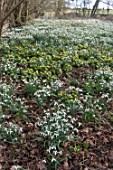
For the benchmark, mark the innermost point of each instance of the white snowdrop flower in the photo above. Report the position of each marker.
(69, 117)
(49, 150)
(54, 114)
(81, 107)
(53, 147)
(105, 95)
(109, 99)
(100, 108)
(20, 129)
(60, 152)
(44, 161)
(53, 160)
(65, 120)
(61, 105)
(72, 133)
(55, 103)
(10, 131)
(16, 167)
(87, 110)
(3, 116)
(71, 88)
(72, 121)
(56, 134)
(48, 114)
(52, 137)
(71, 126)
(44, 118)
(79, 124)
(48, 132)
(55, 152)
(75, 129)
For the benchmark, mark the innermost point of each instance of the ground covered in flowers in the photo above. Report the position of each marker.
(56, 96)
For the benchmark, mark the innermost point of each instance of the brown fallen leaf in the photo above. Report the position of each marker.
(41, 165)
(12, 168)
(99, 133)
(86, 168)
(0, 166)
(23, 135)
(66, 165)
(90, 142)
(66, 144)
(85, 130)
(105, 140)
(111, 156)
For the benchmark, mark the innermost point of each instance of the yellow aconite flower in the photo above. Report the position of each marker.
(30, 70)
(32, 59)
(48, 66)
(71, 97)
(110, 59)
(10, 55)
(53, 77)
(17, 47)
(19, 58)
(59, 94)
(36, 72)
(103, 56)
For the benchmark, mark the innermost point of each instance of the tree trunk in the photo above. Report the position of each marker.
(59, 7)
(5, 12)
(1, 26)
(95, 8)
(0, 30)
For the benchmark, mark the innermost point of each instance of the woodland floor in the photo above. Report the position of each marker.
(82, 60)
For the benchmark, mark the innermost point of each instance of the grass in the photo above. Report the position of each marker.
(99, 11)
(79, 13)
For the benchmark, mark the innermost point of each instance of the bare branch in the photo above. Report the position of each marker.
(12, 9)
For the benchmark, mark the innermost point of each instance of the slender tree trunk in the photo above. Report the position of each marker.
(95, 8)
(76, 6)
(59, 7)
(1, 26)
(84, 8)
(0, 18)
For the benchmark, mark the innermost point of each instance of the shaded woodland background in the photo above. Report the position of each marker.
(15, 13)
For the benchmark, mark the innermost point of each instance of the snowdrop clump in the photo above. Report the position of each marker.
(10, 132)
(56, 128)
(88, 29)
